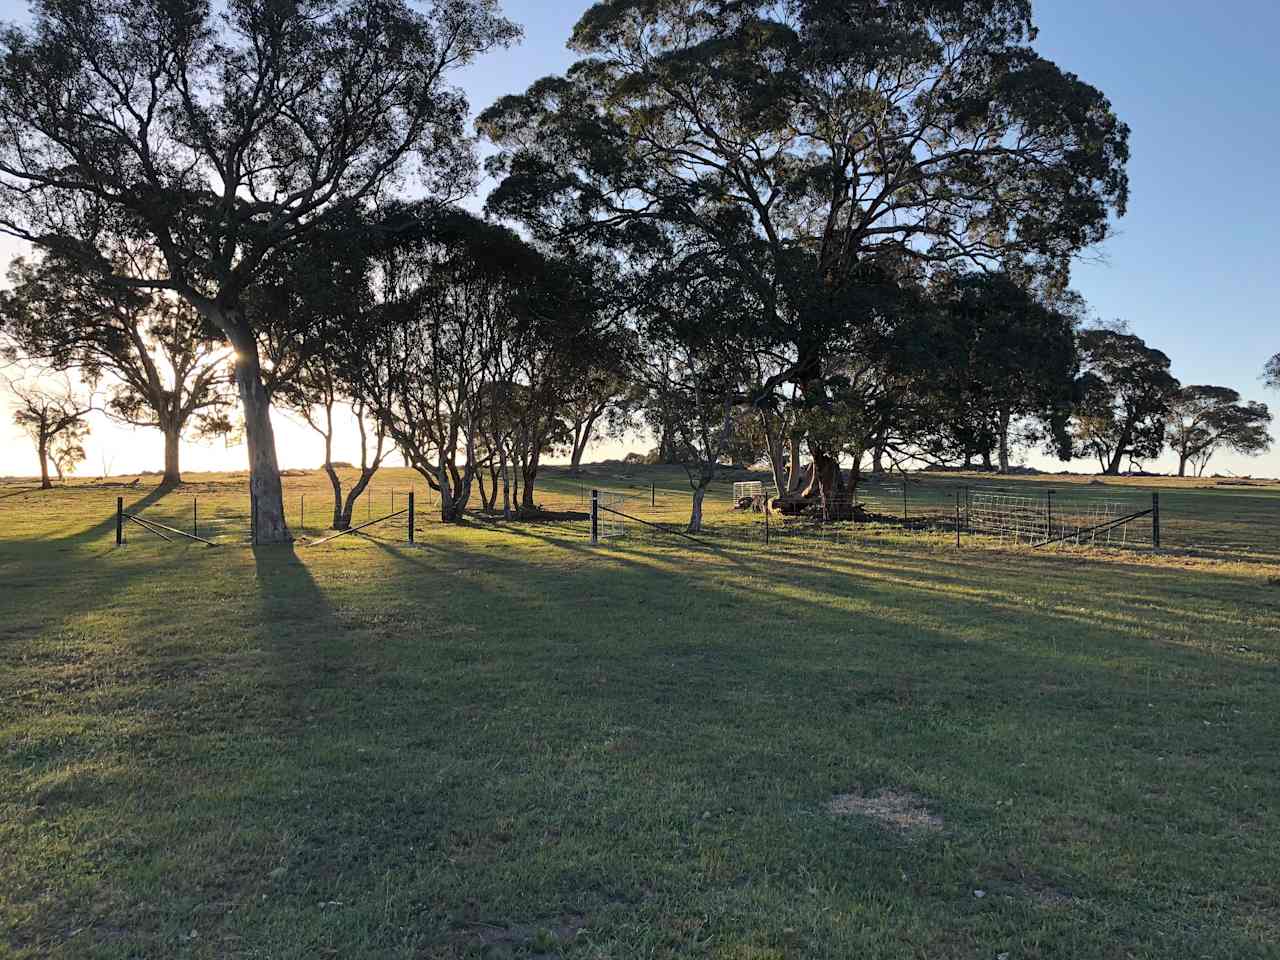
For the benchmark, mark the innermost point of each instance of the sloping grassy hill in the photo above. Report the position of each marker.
(506, 742)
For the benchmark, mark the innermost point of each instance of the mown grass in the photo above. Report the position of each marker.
(503, 741)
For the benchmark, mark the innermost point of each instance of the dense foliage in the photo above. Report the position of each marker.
(828, 236)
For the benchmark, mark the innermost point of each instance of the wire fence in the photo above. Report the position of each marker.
(225, 518)
(742, 511)
(747, 512)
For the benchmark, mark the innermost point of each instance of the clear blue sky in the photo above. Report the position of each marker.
(1194, 267)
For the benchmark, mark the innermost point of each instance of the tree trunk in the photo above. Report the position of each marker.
(353, 496)
(695, 513)
(1182, 465)
(455, 495)
(1122, 449)
(794, 472)
(777, 453)
(341, 518)
(172, 472)
(530, 471)
(448, 512)
(264, 468)
(1005, 417)
(581, 439)
(506, 487)
(42, 450)
(877, 459)
(826, 481)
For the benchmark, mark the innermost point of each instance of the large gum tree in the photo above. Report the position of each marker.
(224, 134)
(838, 134)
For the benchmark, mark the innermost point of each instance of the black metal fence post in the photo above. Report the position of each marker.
(904, 498)
(957, 518)
(1155, 520)
(119, 521)
(411, 516)
(766, 522)
(653, 495)
(195, 516)
(595, 516)
(253, 519)
(1049, 501)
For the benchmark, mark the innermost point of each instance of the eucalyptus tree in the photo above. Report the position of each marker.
(1003, 355)
(601, 404)
(53, 413)
(221, 134)
(808, 139)
(425, 358)
(321, 288)
(1125, 401)
(690, 319)
(1206, 419)
(168, 368)
(316, 393)
(555, 352)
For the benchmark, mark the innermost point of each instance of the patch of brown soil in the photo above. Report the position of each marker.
(898, 810)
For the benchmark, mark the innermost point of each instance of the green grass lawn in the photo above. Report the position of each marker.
(504, 742)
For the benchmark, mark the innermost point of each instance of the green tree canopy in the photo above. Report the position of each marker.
(1206, 419)
(1000, 354)
(1126, 394)
(806, 140)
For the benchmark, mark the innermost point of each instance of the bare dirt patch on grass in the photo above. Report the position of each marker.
(895, 809)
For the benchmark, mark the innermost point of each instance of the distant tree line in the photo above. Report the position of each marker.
(831, 236)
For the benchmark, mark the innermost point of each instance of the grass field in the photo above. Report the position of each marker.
(505, 742)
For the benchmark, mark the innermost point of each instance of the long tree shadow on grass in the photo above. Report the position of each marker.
(734, 715)
(107, 525)
(390, 752)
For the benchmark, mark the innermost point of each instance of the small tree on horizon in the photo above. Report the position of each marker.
(52, 412)
(1206, 419)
